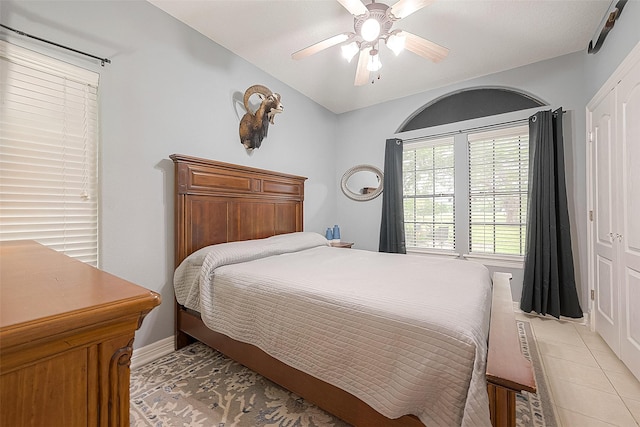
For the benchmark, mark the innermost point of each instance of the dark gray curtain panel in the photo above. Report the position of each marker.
(549, 285)
(392, 226)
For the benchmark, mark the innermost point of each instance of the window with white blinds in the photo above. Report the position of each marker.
(498, 182)
(48, 152)
(429, 194)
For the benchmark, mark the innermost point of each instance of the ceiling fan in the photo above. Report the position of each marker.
(373, 24)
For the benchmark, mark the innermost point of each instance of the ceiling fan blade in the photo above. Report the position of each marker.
(355, 7)
(424, 48)
(404, 8)
(362, 73)
(324, 44)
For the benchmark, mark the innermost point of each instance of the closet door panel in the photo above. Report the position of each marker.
(603, 151)
(604, 187)
(628, 122)
(630, 337)
(630, 145)
(632, 284)
(606, 302)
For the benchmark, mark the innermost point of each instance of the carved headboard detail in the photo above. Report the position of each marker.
(220, 202)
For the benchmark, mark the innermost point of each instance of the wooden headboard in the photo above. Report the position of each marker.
(219, 202)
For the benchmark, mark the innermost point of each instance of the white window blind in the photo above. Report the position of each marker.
(429, 194)
(48, 152)
(498, 182)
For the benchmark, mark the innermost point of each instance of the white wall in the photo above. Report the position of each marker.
(170, 90)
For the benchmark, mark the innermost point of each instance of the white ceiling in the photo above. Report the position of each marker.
(483, 36)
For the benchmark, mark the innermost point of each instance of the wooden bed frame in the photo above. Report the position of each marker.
(219, 202)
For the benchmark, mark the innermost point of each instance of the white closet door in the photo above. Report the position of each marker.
(604, 181)
(628, 108)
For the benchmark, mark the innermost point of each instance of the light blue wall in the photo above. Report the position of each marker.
(170, 90)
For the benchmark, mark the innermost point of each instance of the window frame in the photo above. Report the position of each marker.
(459, 131)
(433, 143)
(500, 140)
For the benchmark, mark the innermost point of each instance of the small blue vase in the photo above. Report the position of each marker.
(329, 234)
(336, 232)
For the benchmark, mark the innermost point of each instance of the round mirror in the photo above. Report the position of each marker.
(363, 182)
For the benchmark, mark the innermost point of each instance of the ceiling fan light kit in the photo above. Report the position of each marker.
(374, 63)
(350, 50)
(372, 23)
(370, 30)
(396, 42)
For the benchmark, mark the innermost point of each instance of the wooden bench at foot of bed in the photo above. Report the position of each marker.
(508, 371)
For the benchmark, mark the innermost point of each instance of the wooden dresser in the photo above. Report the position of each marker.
(66, 336)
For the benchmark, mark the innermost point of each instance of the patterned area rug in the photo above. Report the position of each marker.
(197, 386)
(533, 409)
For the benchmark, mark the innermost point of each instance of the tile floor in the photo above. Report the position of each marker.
(589, 385)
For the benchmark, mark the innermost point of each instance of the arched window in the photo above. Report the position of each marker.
(490, 222)
(469, 104)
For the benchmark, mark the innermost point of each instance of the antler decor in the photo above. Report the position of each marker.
(254, 126)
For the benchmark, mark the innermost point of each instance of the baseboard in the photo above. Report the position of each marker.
(149, 353)
(583, 321)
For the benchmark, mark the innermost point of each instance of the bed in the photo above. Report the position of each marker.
(219, 204)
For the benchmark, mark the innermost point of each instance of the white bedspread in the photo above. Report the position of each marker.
(405, 334)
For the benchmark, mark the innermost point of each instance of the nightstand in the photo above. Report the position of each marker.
(341, 244)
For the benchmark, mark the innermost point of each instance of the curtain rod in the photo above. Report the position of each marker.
(22, 33)
(456, 132)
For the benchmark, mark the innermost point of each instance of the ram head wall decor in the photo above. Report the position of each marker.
(254, 126)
